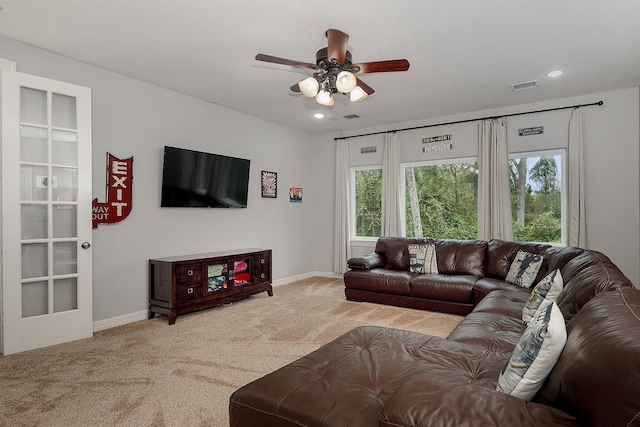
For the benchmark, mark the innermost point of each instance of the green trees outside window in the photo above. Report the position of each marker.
(441, 199)
(368, 201)
(536, 198)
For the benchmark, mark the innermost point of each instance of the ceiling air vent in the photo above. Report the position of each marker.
(351, 116)
(524, 86)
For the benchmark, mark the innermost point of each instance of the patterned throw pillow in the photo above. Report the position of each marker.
(535, 355)
(422, 259)
(524, 269)
(545, 292)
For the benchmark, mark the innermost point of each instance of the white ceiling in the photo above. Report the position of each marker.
(464, 54)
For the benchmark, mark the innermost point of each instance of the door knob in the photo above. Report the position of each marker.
(85, 245)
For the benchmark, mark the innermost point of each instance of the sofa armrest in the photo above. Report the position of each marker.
(428, 401)
(367, 262)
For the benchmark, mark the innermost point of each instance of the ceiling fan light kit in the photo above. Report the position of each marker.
(334, 71)
(324, 98)
(346, 82)
(357, 94)
(309, 87)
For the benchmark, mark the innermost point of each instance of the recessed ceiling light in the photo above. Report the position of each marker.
(555, 73)
(318, 116)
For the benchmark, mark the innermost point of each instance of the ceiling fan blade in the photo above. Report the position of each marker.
(337, 42)
(295, 88)
(365, 86)
(383, 66)
(283, 61)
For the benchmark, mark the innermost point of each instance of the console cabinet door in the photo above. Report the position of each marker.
(262, 269)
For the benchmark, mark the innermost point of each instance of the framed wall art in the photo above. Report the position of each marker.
(295, 194)
(269, 183)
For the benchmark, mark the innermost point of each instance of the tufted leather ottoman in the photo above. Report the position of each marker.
(348, 381)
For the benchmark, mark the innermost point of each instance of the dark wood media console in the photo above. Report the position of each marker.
(183, 284)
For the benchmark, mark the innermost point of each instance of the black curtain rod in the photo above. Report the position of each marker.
(470, 120)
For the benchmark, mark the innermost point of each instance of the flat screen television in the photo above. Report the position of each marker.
(204, 180)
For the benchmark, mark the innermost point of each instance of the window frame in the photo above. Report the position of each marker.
(564, 221)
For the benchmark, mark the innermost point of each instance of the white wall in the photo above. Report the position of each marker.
(133, 118)
(611, 138)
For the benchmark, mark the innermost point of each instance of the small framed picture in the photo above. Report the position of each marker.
(269, 184)
(295, 194)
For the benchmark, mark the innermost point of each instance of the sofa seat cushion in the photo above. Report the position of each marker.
(489, 331)
(506, 299)
(495, 324)
(380, 280)
(443, 287)
(345, 382)
(429, 399)
(486, 285)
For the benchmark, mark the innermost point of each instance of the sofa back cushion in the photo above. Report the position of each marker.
(597, 377)
(584, 277)
(395, 250)
(559, 256)
(461, 256)
(501, 253)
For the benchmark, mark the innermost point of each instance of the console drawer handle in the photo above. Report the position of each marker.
(262, 261)
(189, 272)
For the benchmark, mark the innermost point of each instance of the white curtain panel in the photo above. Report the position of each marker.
(577, 216)
(390, 185)
(494, 193)
(342, 250)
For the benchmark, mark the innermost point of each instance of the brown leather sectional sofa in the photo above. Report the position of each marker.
(375, 376)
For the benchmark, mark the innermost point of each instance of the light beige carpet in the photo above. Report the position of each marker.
(151, 374)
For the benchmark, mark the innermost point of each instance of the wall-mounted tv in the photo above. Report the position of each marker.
(204, 180)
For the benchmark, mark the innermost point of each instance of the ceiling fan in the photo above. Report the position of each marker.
(334, 71)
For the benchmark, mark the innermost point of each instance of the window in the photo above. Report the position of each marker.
(367, 188)
(441, 199)
(537, 196)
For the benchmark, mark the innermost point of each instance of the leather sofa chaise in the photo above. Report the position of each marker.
(374, 376)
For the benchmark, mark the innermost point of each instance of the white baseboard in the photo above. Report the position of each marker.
(101, 325)
(304, 276)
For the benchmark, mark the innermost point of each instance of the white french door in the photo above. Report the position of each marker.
(46, 212)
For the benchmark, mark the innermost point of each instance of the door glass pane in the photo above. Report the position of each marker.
(34, 222)
(35, 299)
(64, 221)
(33, 106)
(65, 294)
(34, 260)
(64, 258)
(33, 183)
(65, 148)
(33, 144)
(65, 185)
(63, 111)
